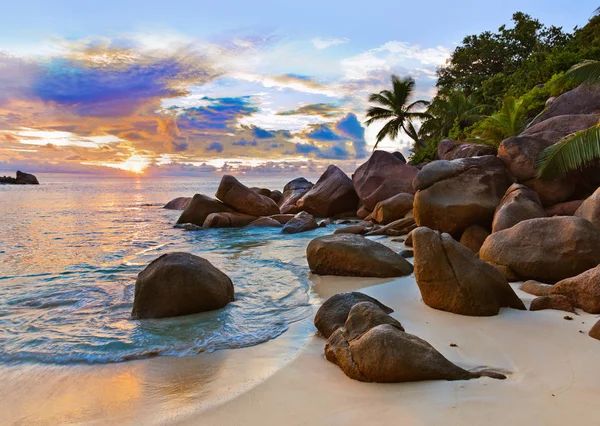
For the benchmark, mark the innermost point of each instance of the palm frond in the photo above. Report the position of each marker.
(572, 153)
(378, 113)
(381, 100)
(417, 104)
(586, 72)
(390, 129)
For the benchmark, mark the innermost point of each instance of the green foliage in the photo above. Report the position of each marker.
(450, 113)
(572, 153)
(394, 106)
(425, 154)
(585, 72)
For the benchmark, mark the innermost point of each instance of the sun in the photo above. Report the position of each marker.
(136, 164)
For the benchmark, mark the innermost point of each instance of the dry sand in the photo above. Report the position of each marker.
(551, 365)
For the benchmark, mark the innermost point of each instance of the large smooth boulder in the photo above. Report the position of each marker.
(451, 150)
(583, 290)
(393, 208)
(243, 199)
(519, 153)
(556, 128)
(381, 177)
(333, 313)
(556, 302)
(564, 209)
(453, 195)
(590, 209)
(373, 347)
(552, 192)
(518, 204)
(200, 207)
(451, 278)
(302, 222)
(26, 179)
(545, 249)
(585, 99)
(179, 203)
(292, 192)
(354, 256)
(265, 222)
(178, 284)
(333, 194)
(228, 220)
(473, 237)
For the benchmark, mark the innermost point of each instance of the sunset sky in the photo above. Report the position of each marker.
(190, 87)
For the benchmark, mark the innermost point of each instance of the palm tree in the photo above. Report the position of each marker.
(581, 148)
(585, 72)
(448, 110)
(394, 106)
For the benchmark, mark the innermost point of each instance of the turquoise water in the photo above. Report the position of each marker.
(70, 251)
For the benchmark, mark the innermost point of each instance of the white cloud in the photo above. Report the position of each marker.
(394, 54)
(324, 43)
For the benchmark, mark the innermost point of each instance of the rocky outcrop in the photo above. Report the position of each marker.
(179, 203)
(552, 192)
(584, 99)
(451, 150)
(536, 288)
(545, 249)
(21, 179)
(292, 192)
(275, 195)
(373, 347)
(228, 220)
(381, 177)
(178, 284)
(333, 313)
(282, 218)
(332, 194)
(243, 199)
(556, 302)
(302, 222)
(518, 204)
(353, 229)
(583, 290)
(265, 222)
(453, 195)
(564, 209)
(473, 237)
(354, 256)
(519, 154)
(200, 207)
(393, 208)
(556, 128)
(451, 278)
(590, 209)
(595, 331)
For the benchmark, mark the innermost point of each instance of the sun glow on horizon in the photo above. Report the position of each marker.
(135, 164)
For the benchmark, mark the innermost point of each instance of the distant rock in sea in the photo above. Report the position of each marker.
(21, 179)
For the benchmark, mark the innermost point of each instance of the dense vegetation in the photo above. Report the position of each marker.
(495, 83)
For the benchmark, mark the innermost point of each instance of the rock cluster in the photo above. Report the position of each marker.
(371, 346)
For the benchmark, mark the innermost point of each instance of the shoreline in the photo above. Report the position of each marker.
(548, 361)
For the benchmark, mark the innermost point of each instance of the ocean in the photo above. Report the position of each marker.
(71, 249)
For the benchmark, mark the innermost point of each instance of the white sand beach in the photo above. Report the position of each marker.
(550, 363)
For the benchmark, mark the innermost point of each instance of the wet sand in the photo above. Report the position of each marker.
(551, 365)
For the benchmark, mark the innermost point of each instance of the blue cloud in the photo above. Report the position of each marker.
(110, 90)
(259, 133)
(244, 142)
(307, 149)
(215, 146)
(323, 133)
(219, 115)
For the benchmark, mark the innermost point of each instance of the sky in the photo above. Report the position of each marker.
(192, 87)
